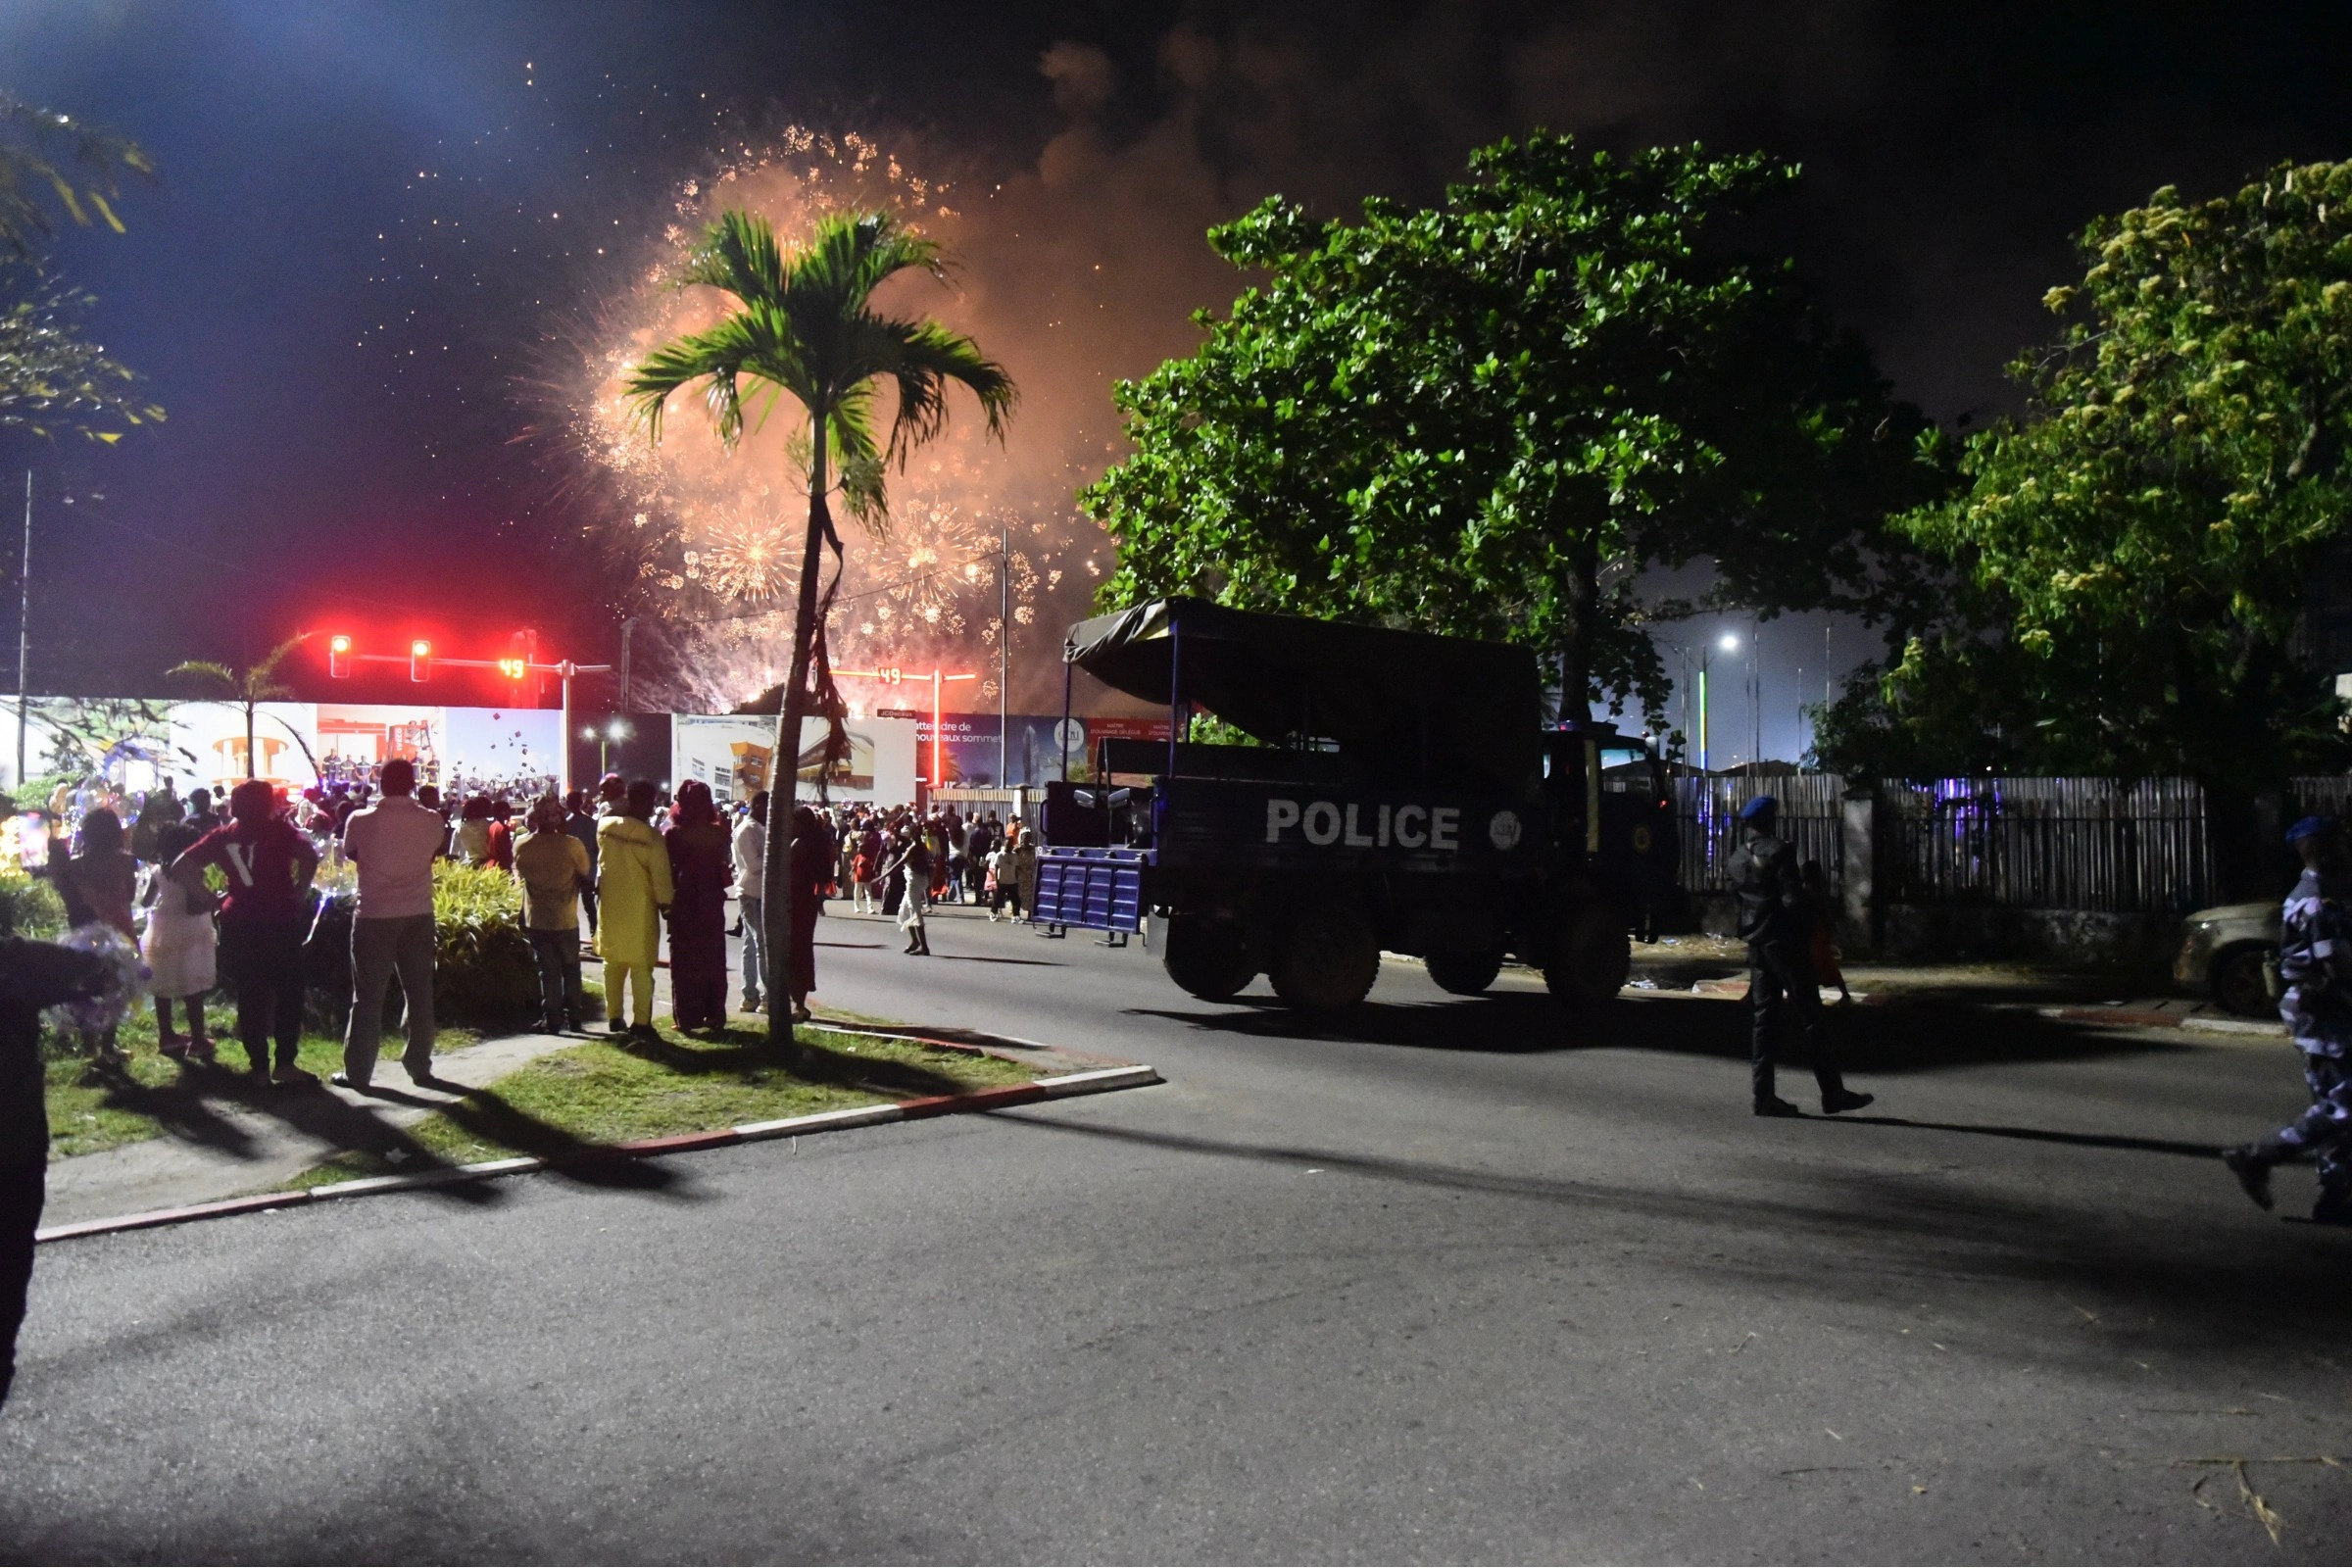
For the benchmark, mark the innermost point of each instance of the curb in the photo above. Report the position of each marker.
(1066, 1086)
(2117, 1017)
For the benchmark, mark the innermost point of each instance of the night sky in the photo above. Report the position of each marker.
(378, 227)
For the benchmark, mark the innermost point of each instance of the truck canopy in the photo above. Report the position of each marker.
(1400, 702)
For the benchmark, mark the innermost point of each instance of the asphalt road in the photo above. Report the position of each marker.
(1459, 1280)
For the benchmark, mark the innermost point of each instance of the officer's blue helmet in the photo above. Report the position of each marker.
(1760, 806)
(2310, 827)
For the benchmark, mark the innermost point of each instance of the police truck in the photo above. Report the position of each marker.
(1365, 789)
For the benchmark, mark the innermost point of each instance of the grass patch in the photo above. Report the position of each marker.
(94, 1108)
(606, 1092)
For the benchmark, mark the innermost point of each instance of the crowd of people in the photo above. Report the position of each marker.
(628, 862)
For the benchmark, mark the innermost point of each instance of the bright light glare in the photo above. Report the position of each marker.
(1729, 642)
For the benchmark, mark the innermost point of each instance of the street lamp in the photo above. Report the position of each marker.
(1728, 643)
(616, 730)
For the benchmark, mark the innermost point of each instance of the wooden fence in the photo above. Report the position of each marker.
(1811, 817)
(2089, 844)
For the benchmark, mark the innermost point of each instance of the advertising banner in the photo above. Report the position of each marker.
(1032, 746)
(734, 753)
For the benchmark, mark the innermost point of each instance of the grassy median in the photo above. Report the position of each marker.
(602, 1092)
(94, 1108)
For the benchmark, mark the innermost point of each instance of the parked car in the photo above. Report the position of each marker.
(2223, 953)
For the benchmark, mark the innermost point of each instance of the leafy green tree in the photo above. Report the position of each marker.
(244, 689)
(1489, 417)
(803, 326)
(44, 155)
(2137, 550)
(52, 377)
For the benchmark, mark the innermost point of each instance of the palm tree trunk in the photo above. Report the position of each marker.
(252, 768)
(778, 880)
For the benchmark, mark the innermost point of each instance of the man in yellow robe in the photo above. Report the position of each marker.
(632, 889)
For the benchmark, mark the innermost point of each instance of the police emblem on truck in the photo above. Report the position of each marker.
(1366, 827)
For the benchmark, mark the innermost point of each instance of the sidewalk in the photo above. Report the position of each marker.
(241, 1139)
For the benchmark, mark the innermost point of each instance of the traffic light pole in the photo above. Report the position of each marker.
(420, 660)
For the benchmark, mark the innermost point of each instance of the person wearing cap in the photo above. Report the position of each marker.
(2315, 960)
(1775, 920)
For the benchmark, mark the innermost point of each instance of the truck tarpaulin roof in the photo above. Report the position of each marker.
(1400, 700)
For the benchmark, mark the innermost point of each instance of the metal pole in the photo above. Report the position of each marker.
(1175, 683)
(565, 670)
(939, 722)
(1004, 657)
(628, 626)
(1702, 713)
(24, 632)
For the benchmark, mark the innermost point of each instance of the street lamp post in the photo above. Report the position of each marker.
(1727, 642)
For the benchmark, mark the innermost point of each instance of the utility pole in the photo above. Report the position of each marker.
(1004, 658)
(626, 626)
(24, 632)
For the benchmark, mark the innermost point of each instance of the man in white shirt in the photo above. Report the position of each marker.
(751, 864)
(393, 843)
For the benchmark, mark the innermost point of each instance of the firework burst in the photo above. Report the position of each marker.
(711, 537)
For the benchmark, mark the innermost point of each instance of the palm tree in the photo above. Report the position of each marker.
(804, 327)
(246, 688)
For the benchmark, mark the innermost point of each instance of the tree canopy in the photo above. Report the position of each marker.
(2138, 549)
(1488, 416)
(52, 377)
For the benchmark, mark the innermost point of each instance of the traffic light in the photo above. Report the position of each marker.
(338, 657)
(514, 668)
(420, 660)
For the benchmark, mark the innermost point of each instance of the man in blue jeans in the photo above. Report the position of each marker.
(393, 843)
(751, 864)
(553, 869)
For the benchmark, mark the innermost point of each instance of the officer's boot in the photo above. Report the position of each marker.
(2335, 1203)
(2252, 1168)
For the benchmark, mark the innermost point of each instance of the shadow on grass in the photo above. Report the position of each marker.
(1865, 1040)
(747, 1054)
(489, 1116)
(179, 1107)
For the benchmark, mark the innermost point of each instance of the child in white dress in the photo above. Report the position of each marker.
(180, 945)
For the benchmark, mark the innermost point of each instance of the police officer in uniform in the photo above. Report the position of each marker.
(2315, 960)
(1774, 921)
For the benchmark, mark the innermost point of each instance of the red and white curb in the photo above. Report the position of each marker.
(1099, 1081)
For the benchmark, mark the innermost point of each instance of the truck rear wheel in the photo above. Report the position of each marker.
(1592, 961)
(1465, 974)
(1206, 958)
(1325, 960)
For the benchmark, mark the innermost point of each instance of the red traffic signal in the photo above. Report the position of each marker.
(338, 657)
(514, 668)
(420, 660)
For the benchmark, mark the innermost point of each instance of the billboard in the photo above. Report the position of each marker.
(734, 753)
(1031, 746)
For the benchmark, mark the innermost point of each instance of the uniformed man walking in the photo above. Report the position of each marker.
(1774, 921)
(2315, 960)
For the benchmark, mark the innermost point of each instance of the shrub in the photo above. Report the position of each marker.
(485, 975)
(28, 906)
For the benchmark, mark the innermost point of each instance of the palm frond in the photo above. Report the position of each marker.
(205, 670)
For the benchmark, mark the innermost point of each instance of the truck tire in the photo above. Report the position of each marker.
(1206, 958)
(1592, 961)
(1325, 960)
(1465, 974)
